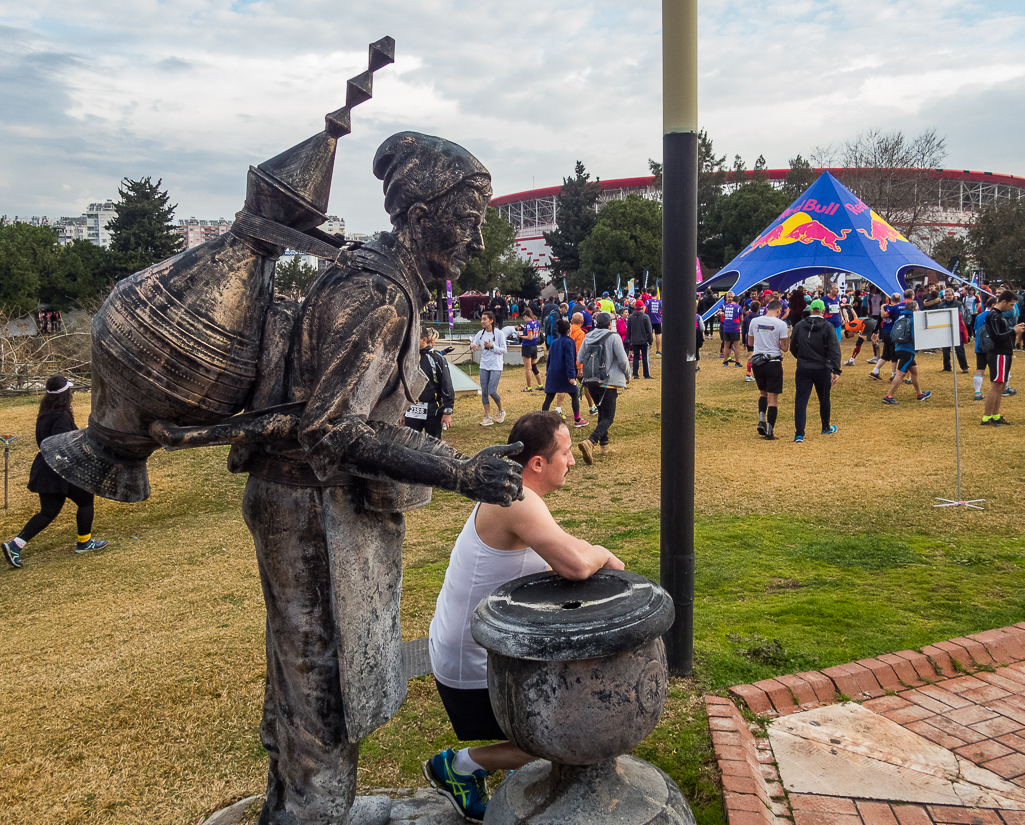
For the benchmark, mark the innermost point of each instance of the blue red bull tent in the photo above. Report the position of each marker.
(827, 229)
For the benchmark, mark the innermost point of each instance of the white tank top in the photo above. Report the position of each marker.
(474, 571)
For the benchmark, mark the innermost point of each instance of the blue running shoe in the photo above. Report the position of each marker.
(925, 395)
(12, 553)
(467, 792)
(888, 400)
(829, 430)
(798, 439)
(86, 546)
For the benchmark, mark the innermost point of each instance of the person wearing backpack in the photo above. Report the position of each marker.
(605, 372)
(432, 412)
(903, 337)
(981, 356)
(997, 340)
(817, 351)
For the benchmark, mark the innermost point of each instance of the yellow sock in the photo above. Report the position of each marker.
(85, 538)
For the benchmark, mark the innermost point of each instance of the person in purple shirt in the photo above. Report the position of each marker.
(654, 309)
(889, 314)
(732, 315)
(832, 313)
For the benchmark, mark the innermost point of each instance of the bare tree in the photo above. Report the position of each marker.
(27, 359)
(891, 173)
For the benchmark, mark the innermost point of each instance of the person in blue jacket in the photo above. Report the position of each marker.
(562, 371)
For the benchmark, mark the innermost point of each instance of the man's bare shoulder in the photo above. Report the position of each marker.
(500, 527)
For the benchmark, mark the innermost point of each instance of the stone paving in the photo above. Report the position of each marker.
(940, 725)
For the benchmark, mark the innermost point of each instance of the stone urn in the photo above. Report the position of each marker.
(577, 676)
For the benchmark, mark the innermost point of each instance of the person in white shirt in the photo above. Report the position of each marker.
(499, 544)
(769, 335)
(490, 343)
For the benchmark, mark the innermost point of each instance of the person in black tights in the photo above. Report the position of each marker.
(55, 416)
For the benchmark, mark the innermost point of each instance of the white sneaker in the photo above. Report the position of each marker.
(849, 362)
(487, 422)
(749, 378)
(500, 417)
(872, 360)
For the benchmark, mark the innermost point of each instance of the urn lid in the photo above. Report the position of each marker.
(548, 618)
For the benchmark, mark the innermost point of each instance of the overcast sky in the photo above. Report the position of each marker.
(194, 91)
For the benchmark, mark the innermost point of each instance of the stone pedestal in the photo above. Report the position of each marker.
(577, 676)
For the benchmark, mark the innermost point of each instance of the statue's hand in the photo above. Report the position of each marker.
(490, 478)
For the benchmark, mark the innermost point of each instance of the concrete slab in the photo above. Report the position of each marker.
(849, 751)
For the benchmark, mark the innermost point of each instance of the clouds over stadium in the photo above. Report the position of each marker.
(195, 91)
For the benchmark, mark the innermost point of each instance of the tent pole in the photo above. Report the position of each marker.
(679, 258)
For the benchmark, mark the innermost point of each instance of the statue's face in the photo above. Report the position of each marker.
(448, 231)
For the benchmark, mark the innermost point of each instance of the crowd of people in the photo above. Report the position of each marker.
(988, 316)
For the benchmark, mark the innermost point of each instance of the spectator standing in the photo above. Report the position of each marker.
(432, 413)
(561, 375)
(798, 304)
(640, 336)
(603, 345)
(817, 351)
(490, 343)
(499, 309)
(768, 337)
(832, 313)
(950, 302)
(55, 416)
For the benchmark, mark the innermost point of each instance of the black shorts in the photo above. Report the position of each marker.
(656, 328)
(529, 351)
(999, 367)
(981, 360)
(731, 336)
(905, 360)
(888, 351)
(769, 376)
(470, 713)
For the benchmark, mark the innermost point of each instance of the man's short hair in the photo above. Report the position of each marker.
(564, 306)
(774, 306)
(1007, 296)
(562, 326)
(536, 431)
(909, 293)
(912, 304)
(755, 306)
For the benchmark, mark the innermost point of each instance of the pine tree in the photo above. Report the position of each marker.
(576, 215)
(142, 233)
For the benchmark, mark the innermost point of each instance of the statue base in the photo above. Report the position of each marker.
(624, 791)
(421, 807)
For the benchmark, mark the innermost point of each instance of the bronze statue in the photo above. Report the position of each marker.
(198, 337)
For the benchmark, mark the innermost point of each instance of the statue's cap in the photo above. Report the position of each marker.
(419, 168)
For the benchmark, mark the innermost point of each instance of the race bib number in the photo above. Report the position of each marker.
(417, 410)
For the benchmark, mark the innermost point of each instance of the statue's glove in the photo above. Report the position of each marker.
(490, 478)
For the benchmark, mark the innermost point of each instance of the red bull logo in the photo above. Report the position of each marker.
(799, 228)
(881, 232)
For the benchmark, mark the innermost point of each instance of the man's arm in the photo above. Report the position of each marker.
(784, 341)
(528, 523)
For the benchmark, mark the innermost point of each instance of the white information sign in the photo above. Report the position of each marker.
(936, 328)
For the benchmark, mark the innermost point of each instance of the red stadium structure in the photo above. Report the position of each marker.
(959, 195)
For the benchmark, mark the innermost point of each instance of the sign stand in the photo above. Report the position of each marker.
(6, 441)
(940, 328)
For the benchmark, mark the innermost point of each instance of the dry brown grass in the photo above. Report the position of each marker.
(132, 677)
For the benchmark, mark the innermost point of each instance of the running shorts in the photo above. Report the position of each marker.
(470, 713)
(529, 351)
(905, 360)
(769, 376)
(999, 367)
(981, 360)
(657, 328)
(731, 336)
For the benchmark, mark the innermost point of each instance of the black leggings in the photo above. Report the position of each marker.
(50, 505)
(574, 397)
(804, 381)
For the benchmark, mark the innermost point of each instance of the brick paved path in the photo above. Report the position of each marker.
(966, 695)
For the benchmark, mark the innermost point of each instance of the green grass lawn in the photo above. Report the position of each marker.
(133, 676)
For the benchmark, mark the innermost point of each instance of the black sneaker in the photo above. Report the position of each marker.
(86, 546)
(761, 427)
(12, 553)
(1002, 422)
